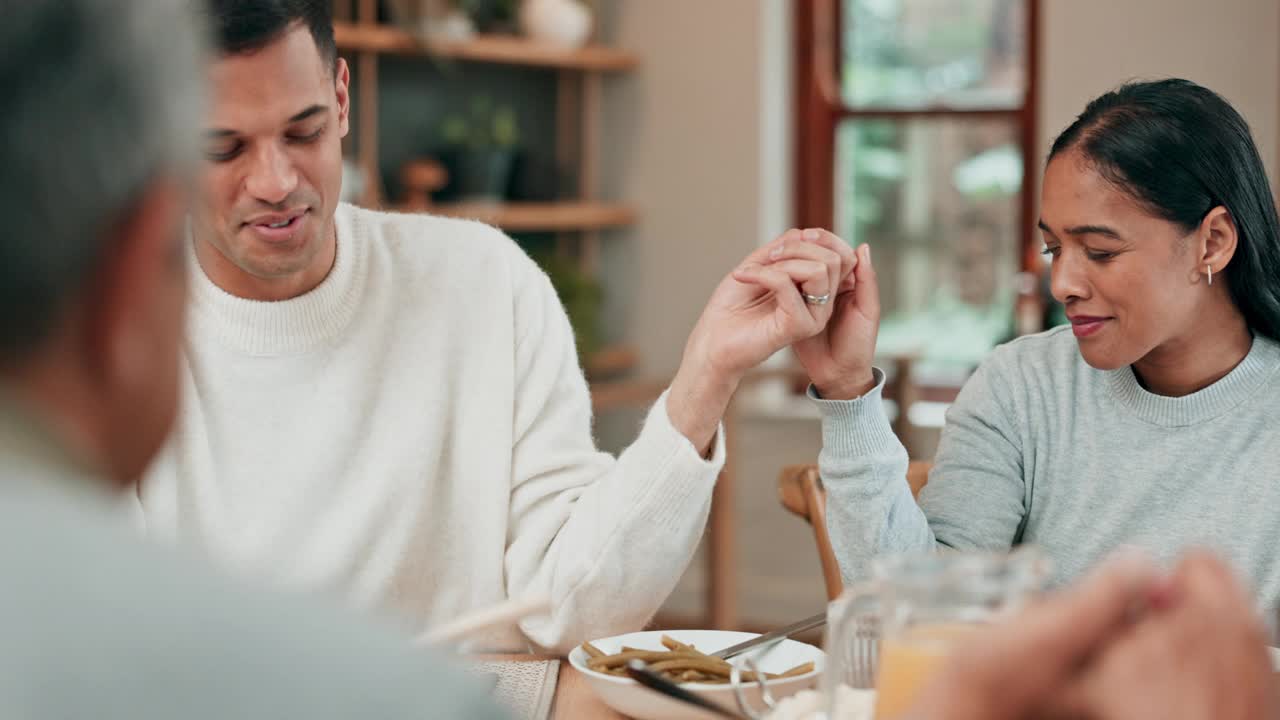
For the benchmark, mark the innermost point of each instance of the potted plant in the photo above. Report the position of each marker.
(490, 16)
(481, 146)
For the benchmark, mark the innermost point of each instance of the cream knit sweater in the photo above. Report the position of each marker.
(414, 434)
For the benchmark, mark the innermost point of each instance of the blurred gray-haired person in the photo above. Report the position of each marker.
(98, 133)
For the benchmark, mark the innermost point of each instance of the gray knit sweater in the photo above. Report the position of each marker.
(1042, 448)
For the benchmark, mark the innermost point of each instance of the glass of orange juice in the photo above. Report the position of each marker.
(893, 631)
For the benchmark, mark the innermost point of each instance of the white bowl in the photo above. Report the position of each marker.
(634, 700)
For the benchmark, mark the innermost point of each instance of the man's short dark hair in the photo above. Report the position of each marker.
(244, 26)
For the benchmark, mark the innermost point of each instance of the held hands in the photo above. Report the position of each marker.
(761, 306)
(1129, 642)
(788, 292)
(1200, 652)
(839, 357)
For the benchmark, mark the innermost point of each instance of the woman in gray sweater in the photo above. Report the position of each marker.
(1150, 420)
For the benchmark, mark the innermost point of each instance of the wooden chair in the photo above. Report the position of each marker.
(800, 491)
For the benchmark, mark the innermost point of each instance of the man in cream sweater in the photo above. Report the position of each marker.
(389, 407)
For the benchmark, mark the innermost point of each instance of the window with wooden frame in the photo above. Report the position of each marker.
(915, 133)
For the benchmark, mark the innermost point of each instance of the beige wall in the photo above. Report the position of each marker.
(1230, 46)
(699, 139)
(691, 143)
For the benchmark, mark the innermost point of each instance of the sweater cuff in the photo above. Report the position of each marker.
(688, 455)
(855, 427)
(681, 477)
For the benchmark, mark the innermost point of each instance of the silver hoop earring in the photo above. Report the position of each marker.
(1210, 269)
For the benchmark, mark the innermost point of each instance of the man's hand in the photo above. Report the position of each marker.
(757, 310)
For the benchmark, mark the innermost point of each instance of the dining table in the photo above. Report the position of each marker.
(574, 699)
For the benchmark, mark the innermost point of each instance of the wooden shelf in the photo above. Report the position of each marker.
(501, 49)
(541, 217)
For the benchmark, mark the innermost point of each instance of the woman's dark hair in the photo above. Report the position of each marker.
(243, 26)
(1181, 150)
